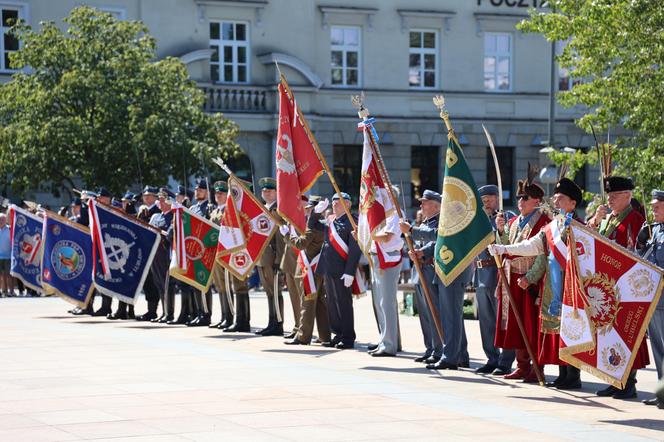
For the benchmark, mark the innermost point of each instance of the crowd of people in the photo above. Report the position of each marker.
(321, 270)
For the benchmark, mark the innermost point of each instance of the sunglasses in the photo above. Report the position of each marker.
(523, 197)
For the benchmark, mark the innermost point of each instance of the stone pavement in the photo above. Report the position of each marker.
(67, 378)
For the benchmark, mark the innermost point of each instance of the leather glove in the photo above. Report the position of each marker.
(284, 229)
(321, 206)
(347, 279)
(496, 249)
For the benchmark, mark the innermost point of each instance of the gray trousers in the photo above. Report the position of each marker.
(656, 333)
(487, 305)
(384, 294)
(451, 311)
(432, 342)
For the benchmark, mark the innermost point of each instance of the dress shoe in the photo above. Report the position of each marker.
(165, 319)
(173, 322)
(574, 384)
(115, 316)
(237, 328)
(608, 391)
(194, 322)
(316, 341)
(328, 344)
(519, 373)
(295, 341)
(203, 321)
(485, 369)
(651, 401)
(290, 335)
(501, 371)
(629, 392)
(146, 317)
(432, 359)
(158, 319)
(101, 312)
(75, 309)
(660, 405)
(382, 354)
(464, 364)
(344, 346)
(215, 325)
(224, 324)
(83, 311)
(442, 365)
(276, 330)
(422, 358)
(531, 378)
(372, 347)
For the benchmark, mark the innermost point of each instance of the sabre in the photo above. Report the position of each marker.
(601, 164)
(499, 178)
(276, 296)
(229, 297)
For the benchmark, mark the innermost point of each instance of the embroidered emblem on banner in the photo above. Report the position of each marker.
(459, 206)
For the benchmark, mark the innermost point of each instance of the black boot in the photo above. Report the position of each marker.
(163, 309)
(271, 314)
(242, 314)
(130, 312)
(196, 312)
(562, 375)
(226, 312)
(151, 313)
(573, 379)
(185, 309)
(120, 313)
(169, 308)
(629, 392)
(105, 309)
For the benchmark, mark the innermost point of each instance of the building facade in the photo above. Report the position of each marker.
(399, 52)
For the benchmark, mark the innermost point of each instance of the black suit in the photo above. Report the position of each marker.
(332, 266)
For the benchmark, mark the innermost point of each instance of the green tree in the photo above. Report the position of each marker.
(617, 48)
(91, 102)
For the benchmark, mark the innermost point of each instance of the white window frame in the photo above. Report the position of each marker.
(234, 44)
(344, 50)
(496, 54)
(571, 81)
(421, 51)
(23, 10)
(118, 13)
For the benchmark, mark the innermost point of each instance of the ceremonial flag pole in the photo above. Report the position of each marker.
(503, 278)
(363, 113)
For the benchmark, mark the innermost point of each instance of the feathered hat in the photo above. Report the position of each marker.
(528, 186)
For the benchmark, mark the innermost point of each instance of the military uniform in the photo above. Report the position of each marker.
(337, 260)
(268, 269)
(313, 305)
(202, 301)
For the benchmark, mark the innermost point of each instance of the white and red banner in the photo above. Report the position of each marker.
(308, 269)
(375, 204)
(298, 166)
(257, 226)
(610, 295)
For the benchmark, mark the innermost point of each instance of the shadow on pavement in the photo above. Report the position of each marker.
(233, 337)
(56, 317)
(415, 370)
(313, 351)
(652, 424)
(584, 401)
(147, 327)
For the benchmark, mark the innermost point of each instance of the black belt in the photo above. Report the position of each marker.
(483, 263)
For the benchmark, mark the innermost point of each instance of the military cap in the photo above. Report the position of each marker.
(220, 186)
(313, 200)
(202, 184)
(569, 188)
(76, 202)
(129, 196)
(102, 191)
(164, 192)
(343, 195)
(431, 196)
(617, 184)
(489, 189)
(657, 195)
(116, 203)
(182, 191)
(150, 190)
(267, 183)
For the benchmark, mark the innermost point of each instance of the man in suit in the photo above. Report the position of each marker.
(338, 263)
(269, 265)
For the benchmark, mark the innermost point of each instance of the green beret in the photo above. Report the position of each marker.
(220, 186)
(267, 183)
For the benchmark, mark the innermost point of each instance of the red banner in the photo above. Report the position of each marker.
(298, 166)
(610, 295)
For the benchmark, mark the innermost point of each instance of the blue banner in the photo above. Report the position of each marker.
(26, 235)
(129, 247)
(67, 260)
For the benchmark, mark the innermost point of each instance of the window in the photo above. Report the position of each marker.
(422, 60)
(497, 61)
(347, 160)
(10, 15)
(565, 80)
(345, 56)
(505, 157)
(424, 161)
(230, 59)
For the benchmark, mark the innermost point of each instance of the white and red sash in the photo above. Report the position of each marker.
(308, 269)
(387, 260)
(359, 287)
(98, 248)
(555, 242)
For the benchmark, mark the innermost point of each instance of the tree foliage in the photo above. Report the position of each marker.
(617, 48)
(91, 102)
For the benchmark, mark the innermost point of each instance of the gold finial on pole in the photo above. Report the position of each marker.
(358, 103)
(439, 102)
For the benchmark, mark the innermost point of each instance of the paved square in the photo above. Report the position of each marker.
(70, 378)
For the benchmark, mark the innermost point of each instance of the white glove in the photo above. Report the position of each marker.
(496, 249)
(321, 206)
(284, 229)
(293, 232)
(347, 279)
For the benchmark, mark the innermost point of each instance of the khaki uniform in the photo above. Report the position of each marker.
(267, 264)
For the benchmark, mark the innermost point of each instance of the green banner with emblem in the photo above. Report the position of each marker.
(464, 228)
